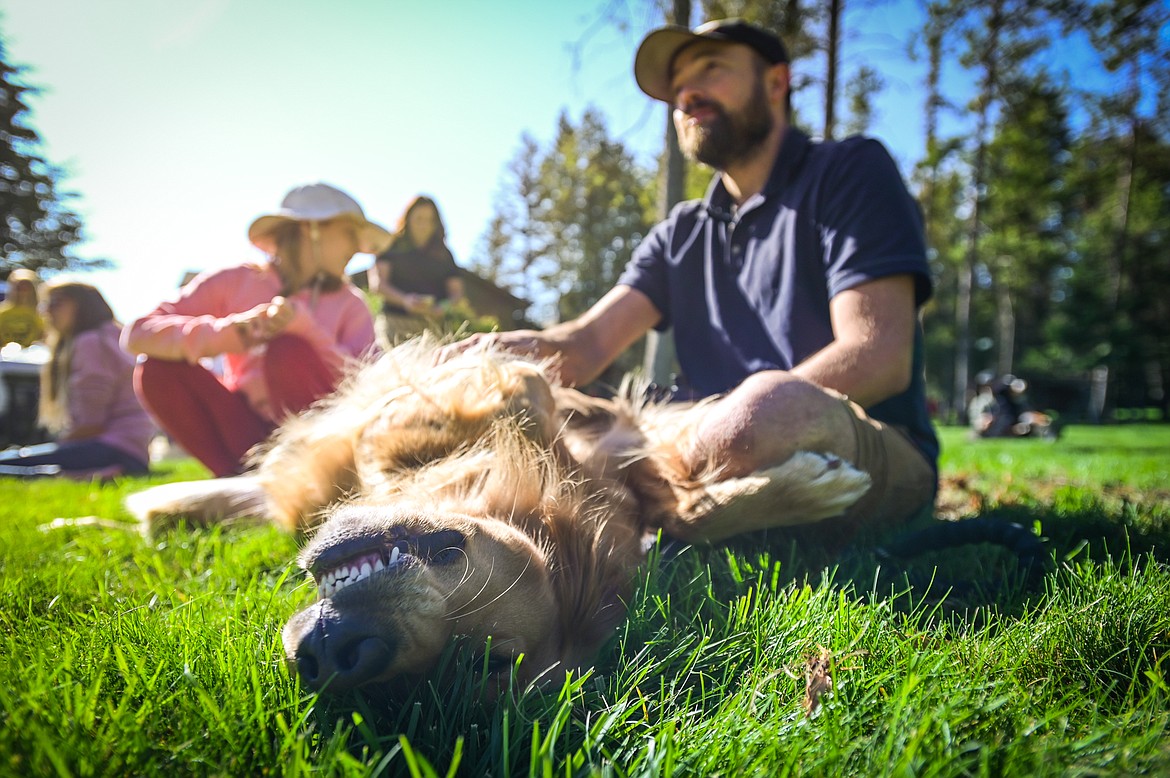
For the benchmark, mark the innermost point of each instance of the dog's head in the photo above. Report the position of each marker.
(397, 584)
(469, 516)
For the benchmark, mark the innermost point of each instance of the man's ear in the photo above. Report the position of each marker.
(778, 82)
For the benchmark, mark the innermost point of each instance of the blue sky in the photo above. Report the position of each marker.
(180, 122)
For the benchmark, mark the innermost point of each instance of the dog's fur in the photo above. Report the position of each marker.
(487, 502)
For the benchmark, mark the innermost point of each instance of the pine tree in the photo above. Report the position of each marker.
(38, 228)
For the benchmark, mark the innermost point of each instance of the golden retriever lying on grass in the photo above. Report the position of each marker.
(474, 498)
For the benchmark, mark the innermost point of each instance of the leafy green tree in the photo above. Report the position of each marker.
(860, 92)
(38, 229)
(568, 219)
(940, 186)
(1131, 126)
(597, 205)
(1121, 328)
(515, 240)
(999, 38)
(1024, 243)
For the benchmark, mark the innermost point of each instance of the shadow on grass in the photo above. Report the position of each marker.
(676, 643)
(965, 571)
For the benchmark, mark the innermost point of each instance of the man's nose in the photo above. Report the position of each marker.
(686, 97)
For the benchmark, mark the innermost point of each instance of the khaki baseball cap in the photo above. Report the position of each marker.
(659, 48)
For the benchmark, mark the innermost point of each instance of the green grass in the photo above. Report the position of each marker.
(123, 657)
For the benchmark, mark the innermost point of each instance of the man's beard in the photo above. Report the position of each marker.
(729, 138)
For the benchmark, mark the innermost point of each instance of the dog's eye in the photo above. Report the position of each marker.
(495, 663)
(446, 556)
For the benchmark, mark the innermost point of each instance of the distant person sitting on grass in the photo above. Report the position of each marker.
(416, 278)
(1001, 410)
(87, 395)
(20, 322)
(286, 329)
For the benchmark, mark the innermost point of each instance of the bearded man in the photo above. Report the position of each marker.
(793, 286)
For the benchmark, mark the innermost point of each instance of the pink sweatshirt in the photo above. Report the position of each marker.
(201, 323)
(101, 392)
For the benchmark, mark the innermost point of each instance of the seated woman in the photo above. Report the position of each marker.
(416, 277)
(87, 394)
(286, 329)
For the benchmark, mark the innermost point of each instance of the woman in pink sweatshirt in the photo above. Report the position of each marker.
(87, 394)
(285, 329)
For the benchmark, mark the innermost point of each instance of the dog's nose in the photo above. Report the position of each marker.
(334, 652)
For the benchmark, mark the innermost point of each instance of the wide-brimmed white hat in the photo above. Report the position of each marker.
(319, 202)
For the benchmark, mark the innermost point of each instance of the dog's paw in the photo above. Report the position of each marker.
(806, 488)
(199, 503)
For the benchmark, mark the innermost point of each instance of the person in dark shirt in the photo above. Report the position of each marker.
(416, 277)
(793, 286)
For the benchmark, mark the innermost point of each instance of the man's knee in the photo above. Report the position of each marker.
(767, 419)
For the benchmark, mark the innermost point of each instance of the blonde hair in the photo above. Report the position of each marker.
(91, 311)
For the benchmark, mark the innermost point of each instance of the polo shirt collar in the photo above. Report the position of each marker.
(717, 202)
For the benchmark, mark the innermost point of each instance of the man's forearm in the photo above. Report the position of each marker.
(866, 374)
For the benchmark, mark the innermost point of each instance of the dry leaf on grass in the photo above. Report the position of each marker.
(818, 679)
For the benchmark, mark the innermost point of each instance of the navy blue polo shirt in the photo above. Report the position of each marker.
(748, 289)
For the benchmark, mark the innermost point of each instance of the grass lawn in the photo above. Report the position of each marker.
(123, 657)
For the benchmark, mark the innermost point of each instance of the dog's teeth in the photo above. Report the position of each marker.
(394, 555)
(379, 564)
(366, 570)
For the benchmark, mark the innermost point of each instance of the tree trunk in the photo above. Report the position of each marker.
(836, 8)
(971, 258)
(659, 357)
(1005, 325)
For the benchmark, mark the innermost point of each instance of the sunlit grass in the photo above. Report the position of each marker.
(128, 657)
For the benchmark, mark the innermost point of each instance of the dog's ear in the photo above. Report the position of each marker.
(593, 562)
(580, 646)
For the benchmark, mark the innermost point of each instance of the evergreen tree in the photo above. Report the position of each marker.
(1130, 36)
(1000, 36)
(598, 204)
(567, 221)
(39, 228)
(515, 240)
(1025, 245)
(1121, 328)
(860, 92)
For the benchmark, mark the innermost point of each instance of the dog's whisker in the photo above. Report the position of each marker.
(468, 573)
(487, 580)
(519, 577)
(464, 578)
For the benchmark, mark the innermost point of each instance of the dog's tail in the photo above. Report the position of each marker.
(238, 500)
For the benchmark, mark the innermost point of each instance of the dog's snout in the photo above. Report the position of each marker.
(335, 653)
